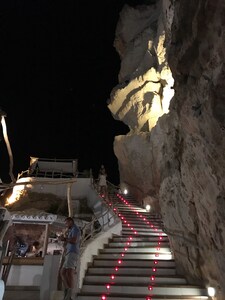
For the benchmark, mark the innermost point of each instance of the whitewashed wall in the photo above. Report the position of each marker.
(56, 186)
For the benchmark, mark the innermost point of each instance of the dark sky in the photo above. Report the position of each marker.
(58, 66)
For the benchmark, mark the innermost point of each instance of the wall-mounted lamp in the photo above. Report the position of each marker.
(211, 291)
(125, 191)
(147, 207)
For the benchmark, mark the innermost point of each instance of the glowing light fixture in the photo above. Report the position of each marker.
(125, 191)
(147, 207)
(211, 291)
(152, 278)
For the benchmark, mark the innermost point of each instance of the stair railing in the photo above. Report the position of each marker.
(7, 266)
(94, 227)
(91, 229)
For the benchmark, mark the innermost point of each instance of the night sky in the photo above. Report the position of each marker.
(58, 66)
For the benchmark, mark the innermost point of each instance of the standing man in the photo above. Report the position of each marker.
(71, 257)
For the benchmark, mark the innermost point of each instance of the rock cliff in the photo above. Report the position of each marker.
(171, 96)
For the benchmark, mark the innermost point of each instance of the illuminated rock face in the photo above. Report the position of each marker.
(174, 155)
(144, 91)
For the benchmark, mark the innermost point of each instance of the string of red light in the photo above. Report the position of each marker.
(128, 244)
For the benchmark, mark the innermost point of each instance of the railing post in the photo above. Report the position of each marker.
(45, 246)
(69, 201)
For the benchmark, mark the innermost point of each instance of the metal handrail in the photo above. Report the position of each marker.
(109, 214)
(7, 265)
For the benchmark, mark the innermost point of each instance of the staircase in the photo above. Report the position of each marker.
(138, 264)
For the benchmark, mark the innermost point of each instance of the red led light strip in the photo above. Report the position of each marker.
(119, 261)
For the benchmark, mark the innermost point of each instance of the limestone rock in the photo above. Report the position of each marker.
(171, 96)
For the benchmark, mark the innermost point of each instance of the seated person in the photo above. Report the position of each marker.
(35, 250)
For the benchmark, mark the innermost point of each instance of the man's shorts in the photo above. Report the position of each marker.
(70, 260)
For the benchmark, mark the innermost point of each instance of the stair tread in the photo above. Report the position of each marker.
(134, 275)
(165, 285)
(140, 261)
(134, 268)
(140, 297)
(125, 258)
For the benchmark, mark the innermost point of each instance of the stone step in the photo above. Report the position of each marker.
(144, 222)
(133, 297)
(127, 249)
(135, 221)
(152, 263)
(121, 238)
(134, 217)
(143, 229)
(140, 232)
(139, 215)
(136, 256)
(131, 227)
(132, 270)
(134, 209)
(137, 244)
(144, 290)
(133, 279)
(147, 224)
